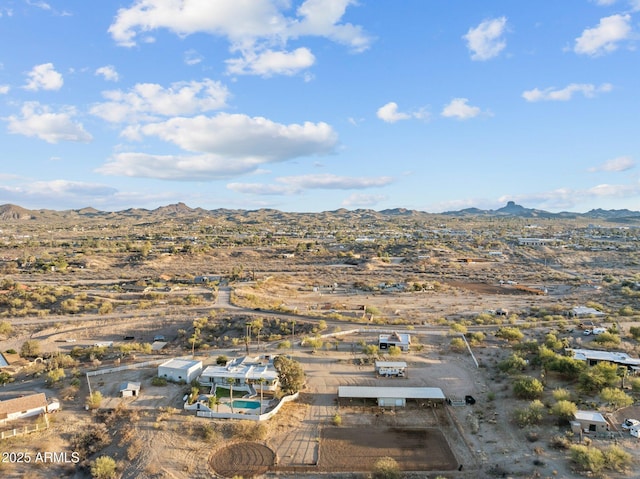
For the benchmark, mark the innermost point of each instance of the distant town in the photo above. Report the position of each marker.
(181, 342)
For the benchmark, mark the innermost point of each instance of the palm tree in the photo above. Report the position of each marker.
(261, 381)
(231, 382)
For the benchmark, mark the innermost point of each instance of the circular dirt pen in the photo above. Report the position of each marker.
(246, 459)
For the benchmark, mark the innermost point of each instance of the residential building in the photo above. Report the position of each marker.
(593, 357)
(242, 373)
(180, 370)
(26, 406)
(400, 340)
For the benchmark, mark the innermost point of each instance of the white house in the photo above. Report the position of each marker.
(26, 406)
(243, 373)
(589, 422)
(586, 312)
(400, 340)
(179, 370)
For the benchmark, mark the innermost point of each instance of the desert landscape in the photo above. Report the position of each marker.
(494, 304)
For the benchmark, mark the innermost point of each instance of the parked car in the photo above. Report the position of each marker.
(629, 423)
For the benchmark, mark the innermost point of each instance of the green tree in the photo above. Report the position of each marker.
(30, 349)
(564, 410)
(290, 374)
(528, 388)
(104, 467)
(600, 376)
(616, 398)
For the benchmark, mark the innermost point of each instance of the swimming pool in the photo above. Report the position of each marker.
(241, 403)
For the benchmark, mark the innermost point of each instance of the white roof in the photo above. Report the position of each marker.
(403, 337)
(130, 386)
(370, 392)
(182, 364)
(614, 357)
(584, 311)
(391, 364)
(591, 416)
(246, 367)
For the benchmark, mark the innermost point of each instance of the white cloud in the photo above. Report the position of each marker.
(289, 185)
(239, 135)
(108, 72)
(147, 101)
(390, 114)
(44, 77)
(566, 93)
(622, 163)
(72, 193)
(604, 3)
(458, 108)
(39, 121)
(269, 62)
(225, 146)
(605, 37)
(359, 200)
(4, 89)
(486, 40)
(192, 57)
(567, 198)
(252, 27)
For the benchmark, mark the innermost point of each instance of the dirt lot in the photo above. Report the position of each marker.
(355, 449)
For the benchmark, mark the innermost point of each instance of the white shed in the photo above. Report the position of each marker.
(180, 370)
(130, 389)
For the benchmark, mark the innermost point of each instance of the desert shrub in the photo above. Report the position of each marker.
(158, 381)
(607, 339)
(5, 328)
(92, 440)
(513, 364)
(386, 468)
(476, 338)
(635, 332)
(560, 442)
(616, 398)
(587, 458)
(337, 420)
(394, 351)
(635, 385)
(94, 400)
(249, 430)
(457, 328)
(510, 333)
(104, 467)
(552, 342)
(528, 388)
(617, 458)
(561, 394)
(457, 344)
(531, 415)
(55, 376)
(564, 410)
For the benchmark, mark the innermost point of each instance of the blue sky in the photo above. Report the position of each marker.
(314, 105)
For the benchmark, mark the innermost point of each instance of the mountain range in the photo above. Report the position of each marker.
(12, 213)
